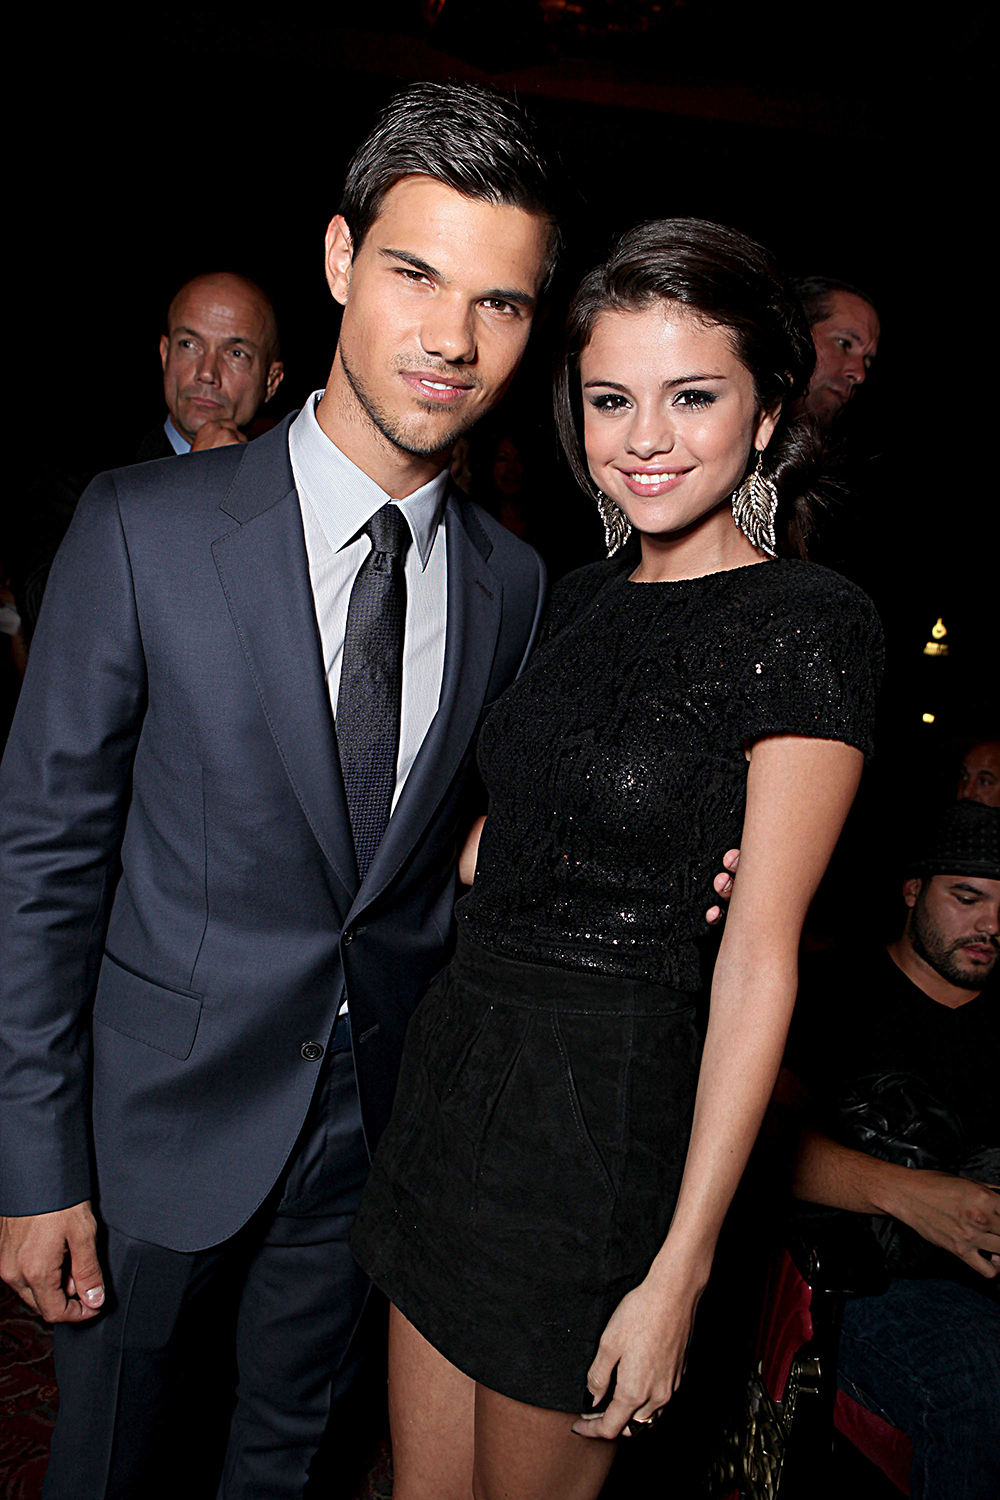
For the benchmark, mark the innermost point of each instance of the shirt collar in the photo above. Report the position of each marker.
(344, 497)
(179, 444)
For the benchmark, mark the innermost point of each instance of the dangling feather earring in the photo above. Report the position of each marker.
(755, 504)
(617, 526)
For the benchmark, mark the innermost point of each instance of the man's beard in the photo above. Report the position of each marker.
(392, 431)
(932, 946)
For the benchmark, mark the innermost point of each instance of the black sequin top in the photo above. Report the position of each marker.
(615, 765)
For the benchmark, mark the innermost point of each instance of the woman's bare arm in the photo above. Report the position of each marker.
(798, 794)
(470, 853)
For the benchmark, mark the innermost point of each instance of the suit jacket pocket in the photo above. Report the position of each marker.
(163, 1018)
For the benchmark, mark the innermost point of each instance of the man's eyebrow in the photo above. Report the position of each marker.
(411, 260)
(965, 885)
(517, 295)
(237, 338)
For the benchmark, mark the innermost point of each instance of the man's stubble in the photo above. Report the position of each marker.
(930, 944)
(392, 431)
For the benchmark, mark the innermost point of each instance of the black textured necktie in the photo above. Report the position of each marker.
(371, 683)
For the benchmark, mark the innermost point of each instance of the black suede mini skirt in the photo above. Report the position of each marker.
(532, 1164)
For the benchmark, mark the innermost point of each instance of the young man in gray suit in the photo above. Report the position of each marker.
(232, 799)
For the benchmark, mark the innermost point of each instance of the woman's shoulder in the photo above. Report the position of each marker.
(807, 594)
(810, 650)
(572, 593)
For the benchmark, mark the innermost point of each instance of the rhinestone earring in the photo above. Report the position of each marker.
(617, 526)
(755, 505)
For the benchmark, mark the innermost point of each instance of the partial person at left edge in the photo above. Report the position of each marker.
(220, 353)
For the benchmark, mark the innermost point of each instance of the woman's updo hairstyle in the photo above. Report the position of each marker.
(731, 282)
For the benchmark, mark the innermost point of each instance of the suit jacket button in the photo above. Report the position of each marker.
(348, 936)
(311, 1051)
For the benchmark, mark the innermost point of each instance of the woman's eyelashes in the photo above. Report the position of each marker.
(613, 401)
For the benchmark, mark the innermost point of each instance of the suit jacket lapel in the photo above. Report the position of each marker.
(264, 571)
(475, 598)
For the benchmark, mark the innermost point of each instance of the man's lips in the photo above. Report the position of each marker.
(982, 952)
(648, 483)
(445, 390)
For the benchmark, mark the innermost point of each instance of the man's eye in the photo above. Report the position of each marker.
(497, 304)
(411, 275)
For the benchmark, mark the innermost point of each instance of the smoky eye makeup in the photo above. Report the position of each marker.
(695, 398)
(609, 401)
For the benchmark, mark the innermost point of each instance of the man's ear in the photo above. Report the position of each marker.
(164, 349)
(275, 375)
(911, 890)
(339, 252)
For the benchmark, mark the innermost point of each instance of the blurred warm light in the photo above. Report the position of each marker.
(936, 648)
(927, 718)
(939, 630)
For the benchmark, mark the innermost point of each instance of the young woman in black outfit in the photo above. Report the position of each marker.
(582, 1085)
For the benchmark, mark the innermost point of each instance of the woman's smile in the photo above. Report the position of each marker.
(671, 416)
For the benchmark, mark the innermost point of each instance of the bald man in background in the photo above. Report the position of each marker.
(220, 364)
(220, 357)
(979, 775)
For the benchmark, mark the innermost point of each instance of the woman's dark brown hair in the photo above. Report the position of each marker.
(730, 282)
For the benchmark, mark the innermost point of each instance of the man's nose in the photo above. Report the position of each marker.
(856, 370)
(208, 368)
(989, 920)
(448, 332)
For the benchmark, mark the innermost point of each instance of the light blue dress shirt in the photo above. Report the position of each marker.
(337, 499)
(179, 444)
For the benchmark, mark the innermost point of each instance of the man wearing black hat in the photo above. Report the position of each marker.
(897, 1051)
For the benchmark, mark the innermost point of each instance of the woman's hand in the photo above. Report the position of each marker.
(647, 1339)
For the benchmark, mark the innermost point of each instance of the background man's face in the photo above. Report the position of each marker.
(438, 302)
(846, 343)
(953, 926)
(979, 778)
(218, 355)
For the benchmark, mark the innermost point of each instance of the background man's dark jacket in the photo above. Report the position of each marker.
(176, 704)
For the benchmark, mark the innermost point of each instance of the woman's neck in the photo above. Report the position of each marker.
(714, 545)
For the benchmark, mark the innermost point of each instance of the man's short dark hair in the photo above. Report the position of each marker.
(816, 296)
(472, 139)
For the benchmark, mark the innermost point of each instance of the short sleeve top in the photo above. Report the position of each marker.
(616, 765)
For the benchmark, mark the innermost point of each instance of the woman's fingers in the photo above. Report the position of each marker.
(609, 1423)
(599, 1374)
(623, 1415)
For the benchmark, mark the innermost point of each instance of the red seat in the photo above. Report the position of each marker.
(796, 1403)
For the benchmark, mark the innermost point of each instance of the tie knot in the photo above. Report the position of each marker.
(389, 532)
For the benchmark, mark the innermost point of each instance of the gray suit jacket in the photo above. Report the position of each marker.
(175, 727)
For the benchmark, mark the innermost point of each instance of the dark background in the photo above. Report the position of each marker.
(153, 145)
